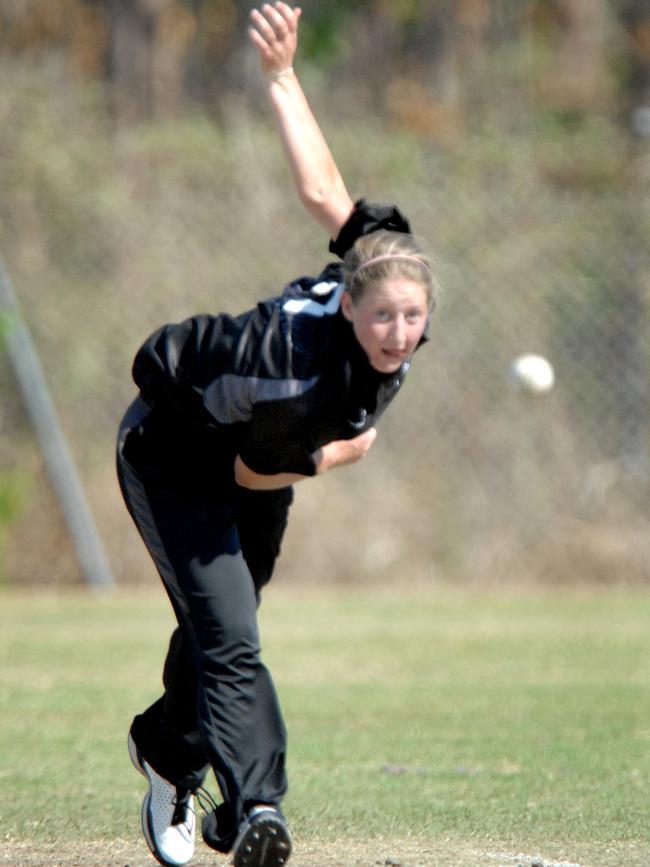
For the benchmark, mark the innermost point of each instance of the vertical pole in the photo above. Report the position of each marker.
(56, 454)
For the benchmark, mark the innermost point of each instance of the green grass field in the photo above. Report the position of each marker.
(427, 726)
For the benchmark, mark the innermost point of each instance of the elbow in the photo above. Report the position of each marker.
(328, 203)
(315, 197)
(319, 189)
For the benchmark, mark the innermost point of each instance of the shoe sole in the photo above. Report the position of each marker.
(265, 842)
(134, 755)
(136, 760)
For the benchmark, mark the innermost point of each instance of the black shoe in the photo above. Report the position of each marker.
(264, 839)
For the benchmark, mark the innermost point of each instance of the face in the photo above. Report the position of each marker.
(388, 321)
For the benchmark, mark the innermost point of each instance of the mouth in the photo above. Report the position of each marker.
(394, 354)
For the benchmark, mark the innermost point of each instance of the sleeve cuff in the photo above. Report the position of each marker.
(304, 465)
(366, 218)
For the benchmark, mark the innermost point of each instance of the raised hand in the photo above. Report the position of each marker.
(274, 31)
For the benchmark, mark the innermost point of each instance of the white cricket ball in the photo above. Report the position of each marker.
(532, 373)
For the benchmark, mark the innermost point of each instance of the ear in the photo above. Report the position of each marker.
(346, 306)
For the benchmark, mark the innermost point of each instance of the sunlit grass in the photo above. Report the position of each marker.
(518, 717)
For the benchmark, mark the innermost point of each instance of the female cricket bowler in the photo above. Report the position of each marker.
(231, 413)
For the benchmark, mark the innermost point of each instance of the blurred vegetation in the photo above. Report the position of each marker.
(159, 56)
(13, 492)
(127, 204)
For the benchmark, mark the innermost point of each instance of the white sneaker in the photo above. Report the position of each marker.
(264, 839)
(168, 819)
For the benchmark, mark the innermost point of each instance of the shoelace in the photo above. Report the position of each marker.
(182, 803)
(206, 802)
(182, 807)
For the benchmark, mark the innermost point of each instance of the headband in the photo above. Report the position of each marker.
(386, 257)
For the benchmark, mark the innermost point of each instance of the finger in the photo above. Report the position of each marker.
(276, 20)
(263, 27)
(290, 15)
(258, 41)
(260, 22)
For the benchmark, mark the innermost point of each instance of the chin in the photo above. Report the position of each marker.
(387, 365)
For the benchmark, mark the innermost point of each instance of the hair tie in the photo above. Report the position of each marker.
(386, 257)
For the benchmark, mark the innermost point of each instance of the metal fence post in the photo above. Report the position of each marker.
(56, 454)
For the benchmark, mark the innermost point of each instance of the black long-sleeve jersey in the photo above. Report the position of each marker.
(272, 385)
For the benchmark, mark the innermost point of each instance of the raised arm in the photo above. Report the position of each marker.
(320, 187)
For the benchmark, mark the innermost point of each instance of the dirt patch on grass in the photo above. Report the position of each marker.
(374, 853)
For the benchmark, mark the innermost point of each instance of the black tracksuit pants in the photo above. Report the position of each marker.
(219, 706)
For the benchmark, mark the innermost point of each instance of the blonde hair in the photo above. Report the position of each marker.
(382, 255)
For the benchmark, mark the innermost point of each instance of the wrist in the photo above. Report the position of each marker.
(279, 74)
(320, 461)
(326, 457)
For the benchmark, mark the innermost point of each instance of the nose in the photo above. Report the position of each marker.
(398, 331)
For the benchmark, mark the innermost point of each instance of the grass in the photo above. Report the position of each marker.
(512, 720)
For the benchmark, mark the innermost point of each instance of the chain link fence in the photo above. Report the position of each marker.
(541, 238)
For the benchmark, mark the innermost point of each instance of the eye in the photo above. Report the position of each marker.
(413, 316)
(382, 315)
